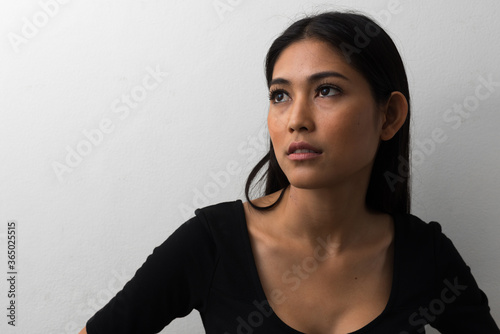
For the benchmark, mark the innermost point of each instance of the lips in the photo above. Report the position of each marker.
(302, 145)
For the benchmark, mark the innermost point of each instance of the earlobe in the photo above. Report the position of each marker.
(396, 111)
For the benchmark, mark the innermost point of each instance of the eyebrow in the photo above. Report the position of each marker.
(312, 78)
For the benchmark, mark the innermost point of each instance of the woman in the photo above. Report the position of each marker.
(331, 247)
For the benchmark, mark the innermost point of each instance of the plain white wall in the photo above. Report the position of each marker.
(86, 226)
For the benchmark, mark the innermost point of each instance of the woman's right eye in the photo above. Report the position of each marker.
(279, 96)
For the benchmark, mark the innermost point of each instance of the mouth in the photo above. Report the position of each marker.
(302, 151)
(302, 147)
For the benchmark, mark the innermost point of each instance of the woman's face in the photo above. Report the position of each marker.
(316, 97)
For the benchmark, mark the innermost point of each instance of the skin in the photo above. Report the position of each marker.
(350, 287)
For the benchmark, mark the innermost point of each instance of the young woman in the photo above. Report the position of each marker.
(331, 247)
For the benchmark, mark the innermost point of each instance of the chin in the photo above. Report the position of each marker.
(306, 183)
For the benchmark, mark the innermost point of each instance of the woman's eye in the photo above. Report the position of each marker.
(328, 91)
(280, 96)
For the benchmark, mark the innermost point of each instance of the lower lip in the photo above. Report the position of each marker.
(303, 156)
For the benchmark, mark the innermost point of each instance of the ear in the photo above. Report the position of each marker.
(396, 110)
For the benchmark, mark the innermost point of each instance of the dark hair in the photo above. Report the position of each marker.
(368, 48)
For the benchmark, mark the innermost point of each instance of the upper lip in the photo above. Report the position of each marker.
(297, 145)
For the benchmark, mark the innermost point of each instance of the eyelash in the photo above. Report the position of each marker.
(275, 91)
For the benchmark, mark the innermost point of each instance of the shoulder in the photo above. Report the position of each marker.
(201, 232)
(425, 237)
(425, 247)
(222, 221)
(221, 211)
(420, 234)
(410, 223)
(417, 233)
(220, 215)
(422, 247)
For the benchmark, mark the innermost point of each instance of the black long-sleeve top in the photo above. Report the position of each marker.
(207, 264)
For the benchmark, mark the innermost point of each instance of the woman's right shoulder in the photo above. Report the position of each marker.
(216, 214)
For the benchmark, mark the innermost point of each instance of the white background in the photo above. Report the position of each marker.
(84, 231)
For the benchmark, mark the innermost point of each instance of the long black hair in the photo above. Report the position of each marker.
(370, 50)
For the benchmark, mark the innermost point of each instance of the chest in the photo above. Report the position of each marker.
(316, 292)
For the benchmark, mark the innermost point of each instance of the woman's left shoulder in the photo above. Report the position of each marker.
(429, 245)
(412, 229)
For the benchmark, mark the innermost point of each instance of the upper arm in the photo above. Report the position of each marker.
(173, 281)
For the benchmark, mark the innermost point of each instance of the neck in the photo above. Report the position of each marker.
(339, 214)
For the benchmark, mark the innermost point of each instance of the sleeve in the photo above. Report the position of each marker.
(460, 306)
(173, 281)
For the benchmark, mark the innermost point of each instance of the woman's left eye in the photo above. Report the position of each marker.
(325, 91)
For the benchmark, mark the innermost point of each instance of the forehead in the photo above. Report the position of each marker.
(309, 56)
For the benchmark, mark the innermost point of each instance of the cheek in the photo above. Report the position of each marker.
(276, 133)
(367, 136)
(273, 127)
(352, 133)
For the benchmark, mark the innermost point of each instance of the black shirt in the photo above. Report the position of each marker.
(207, 264)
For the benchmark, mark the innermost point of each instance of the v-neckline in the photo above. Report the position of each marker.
(259, 289)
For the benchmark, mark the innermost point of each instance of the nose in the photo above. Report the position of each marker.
(301, 117)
